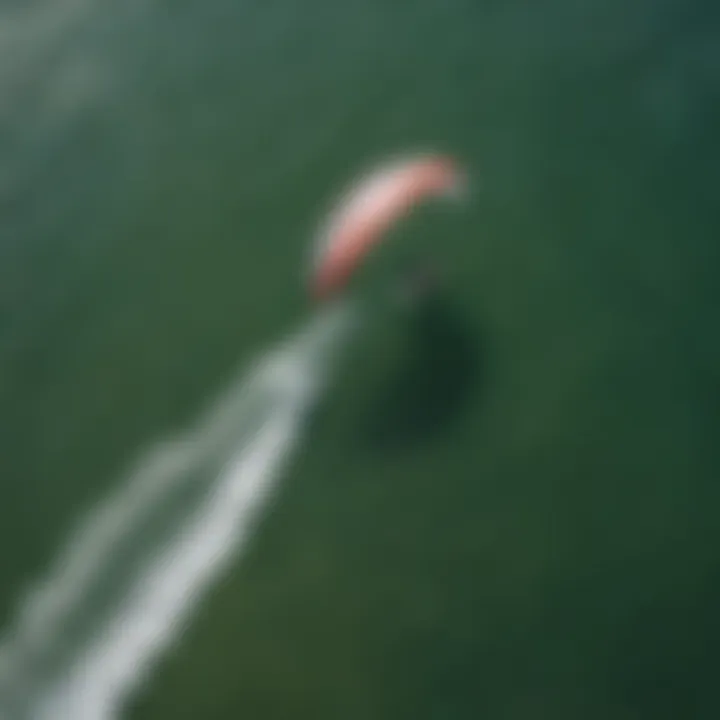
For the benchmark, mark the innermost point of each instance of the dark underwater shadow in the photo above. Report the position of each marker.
(439, 375)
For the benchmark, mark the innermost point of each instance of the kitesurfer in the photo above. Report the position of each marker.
(417, 281)
(368, 210)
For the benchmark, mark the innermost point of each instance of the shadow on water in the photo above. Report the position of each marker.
(438, 377)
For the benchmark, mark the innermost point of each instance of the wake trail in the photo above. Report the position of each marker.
(131, 575)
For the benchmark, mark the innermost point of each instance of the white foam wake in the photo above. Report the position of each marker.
(129, 579)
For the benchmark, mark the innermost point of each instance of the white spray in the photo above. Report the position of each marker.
(128, 580)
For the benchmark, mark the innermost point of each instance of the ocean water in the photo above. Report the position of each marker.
(503, 505)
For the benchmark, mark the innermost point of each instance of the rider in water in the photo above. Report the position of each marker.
(418, 281)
